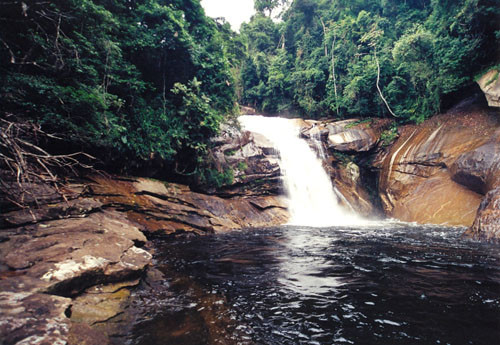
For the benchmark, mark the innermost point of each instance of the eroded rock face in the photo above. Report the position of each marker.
(490, 84)
(68, 255)
(33, 318)
(65, 267)
(479, 170)
(487, 223)
(252, 160)
(170, 208)
(418, 175)
(346, 136)
(350, 136)
(49, 254)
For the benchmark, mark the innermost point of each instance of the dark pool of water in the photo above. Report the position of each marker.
(383, 284)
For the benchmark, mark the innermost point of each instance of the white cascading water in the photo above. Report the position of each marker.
(316, 139)
(311, 196)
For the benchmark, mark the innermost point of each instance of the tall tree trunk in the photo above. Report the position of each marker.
(333, 72)
(324, 37)
(378, 87)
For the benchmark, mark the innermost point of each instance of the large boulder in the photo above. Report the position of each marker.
(351, 136)
(66, 256)
(250, 159)
(419, 173)
(490, 84)
(52, 254)
(479, 169)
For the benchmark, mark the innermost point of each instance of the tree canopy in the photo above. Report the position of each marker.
(147, 79)
(133, 78)
(367, 58)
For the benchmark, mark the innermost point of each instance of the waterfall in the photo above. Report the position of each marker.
(316, 139)
(312, 200)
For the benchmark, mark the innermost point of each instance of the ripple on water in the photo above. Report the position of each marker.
(387, 283)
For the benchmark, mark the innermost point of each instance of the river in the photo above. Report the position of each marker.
(345, 281)
(391, 283)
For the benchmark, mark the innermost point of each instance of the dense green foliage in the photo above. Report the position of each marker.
(132, 78)
(153, 79)
(367, 58)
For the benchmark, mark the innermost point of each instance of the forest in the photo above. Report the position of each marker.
(371, 58)
(136, 81)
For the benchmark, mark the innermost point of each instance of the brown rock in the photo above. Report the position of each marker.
(487, 223)
(345, 175)
(415, 183)
(69, 255)
(346, 136)
(101, 303)
(352, 193)
(52, 211)
(157, 206)
(490, 84)
(479, 169)
(83, 334)
(33, 318)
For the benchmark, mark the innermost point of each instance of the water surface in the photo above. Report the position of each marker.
(383, 284)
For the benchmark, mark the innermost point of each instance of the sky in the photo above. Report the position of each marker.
(235, 11)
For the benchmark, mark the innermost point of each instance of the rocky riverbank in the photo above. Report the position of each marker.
(443, 171)
(68, 265)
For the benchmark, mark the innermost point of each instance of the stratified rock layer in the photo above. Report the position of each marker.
(339, 142)
(66, 267)
(419, 173)
(252, 160)
(351, 136)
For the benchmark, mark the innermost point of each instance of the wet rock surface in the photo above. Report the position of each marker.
(435, 173)
(252, 161)
(340, 143)
(439, 171)
(352, 136)
(171, 208)
(67, 267)
(479, 170)
(33, 318)
(487, 223)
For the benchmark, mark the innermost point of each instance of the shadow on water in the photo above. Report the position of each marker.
(385, 283)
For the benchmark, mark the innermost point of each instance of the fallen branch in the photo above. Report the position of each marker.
(25, 165)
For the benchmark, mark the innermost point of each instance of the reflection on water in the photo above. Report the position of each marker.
(381, 284)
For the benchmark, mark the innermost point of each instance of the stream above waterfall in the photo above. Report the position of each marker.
(392, 283)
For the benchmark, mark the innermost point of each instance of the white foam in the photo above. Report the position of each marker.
(312, 200)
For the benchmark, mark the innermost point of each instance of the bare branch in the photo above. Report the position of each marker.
(29, 164)
(12, 56)
(378, 87)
